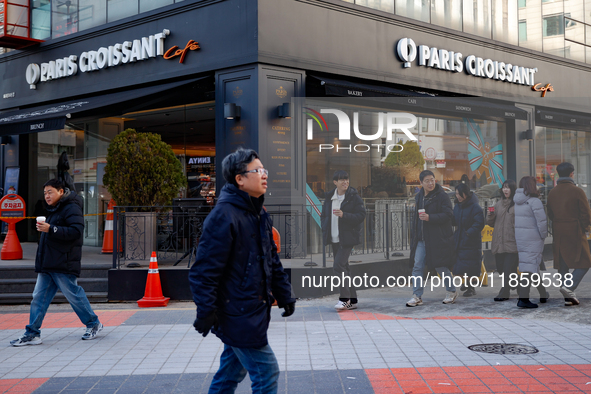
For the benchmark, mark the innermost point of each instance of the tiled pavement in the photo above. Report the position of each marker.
(319, 351)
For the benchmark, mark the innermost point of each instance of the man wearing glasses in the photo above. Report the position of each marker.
(342, 216)
(432, 243)
(237, 275)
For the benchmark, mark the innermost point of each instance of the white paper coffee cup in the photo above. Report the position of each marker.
(41, 219)
(421, 211)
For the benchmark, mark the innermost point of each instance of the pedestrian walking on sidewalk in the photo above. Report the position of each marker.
(432, 239)
(57, 263)
(469, 222)
(342, 218)
(531, 228)
(504, 247)
(569, 211)
(237, 275)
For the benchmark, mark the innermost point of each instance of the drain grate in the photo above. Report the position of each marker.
(503, 348)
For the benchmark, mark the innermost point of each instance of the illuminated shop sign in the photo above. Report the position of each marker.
(538, 87)
(447, 60)
(200, 160)
(140, 49)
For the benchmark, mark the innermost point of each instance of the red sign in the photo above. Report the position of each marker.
(430, 154)
(12, 210)
(12, 206)
(174, 51)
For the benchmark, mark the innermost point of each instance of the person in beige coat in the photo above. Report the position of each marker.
(569, 211)
(504, 248)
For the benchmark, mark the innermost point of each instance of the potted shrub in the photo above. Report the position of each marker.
(142, 173)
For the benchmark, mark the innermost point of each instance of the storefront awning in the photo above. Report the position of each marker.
(55, 116)
(342, 88)
(419, 101)
(562, 119)
(474, 106)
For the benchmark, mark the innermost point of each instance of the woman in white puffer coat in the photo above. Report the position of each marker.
(531, 228)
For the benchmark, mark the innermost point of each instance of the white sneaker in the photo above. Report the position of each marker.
(344, 306)
(26, 340)
(450, 297)
(414, 301)
(570, 298)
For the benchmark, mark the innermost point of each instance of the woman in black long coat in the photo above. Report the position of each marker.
(469, 222)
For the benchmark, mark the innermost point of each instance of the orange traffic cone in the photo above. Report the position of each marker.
(108, 238)
(153, 295)
(277, 239)
(11, 249)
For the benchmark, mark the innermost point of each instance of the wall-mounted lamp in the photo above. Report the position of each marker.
(231, 111)
(284, 111)
(5, 140)
(527, 135)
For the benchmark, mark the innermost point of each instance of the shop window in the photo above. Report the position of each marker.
(521, 3)
(554, 146)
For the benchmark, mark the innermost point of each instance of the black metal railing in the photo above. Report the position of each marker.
(174, 232)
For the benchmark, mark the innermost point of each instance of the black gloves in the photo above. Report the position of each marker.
(289, 309)
(204, 325)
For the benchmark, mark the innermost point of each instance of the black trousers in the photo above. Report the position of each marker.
(340, 267)
(506, 264)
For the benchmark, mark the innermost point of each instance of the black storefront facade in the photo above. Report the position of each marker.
(189, 60)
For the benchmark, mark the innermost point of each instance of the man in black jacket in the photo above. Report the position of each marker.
(237, 275)
(57, 263)
(342, 215)
(432, 242)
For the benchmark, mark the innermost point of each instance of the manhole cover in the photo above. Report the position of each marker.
(503, 348)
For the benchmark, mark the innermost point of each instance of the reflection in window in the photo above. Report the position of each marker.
(447, 13)
(553, 25)
(64, 17)
(92, 13)
(415, 9)
(41, 19)
(522, 31)
(477, 17)
(149, 5)
(504, 21)
(119, 9)
(554, 146)
(382, 5)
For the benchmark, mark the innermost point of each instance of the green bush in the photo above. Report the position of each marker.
(142, 170)
(410, 156)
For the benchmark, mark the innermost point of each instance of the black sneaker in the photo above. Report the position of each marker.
(92, 331)
(470, 292)
(525, 303)
(26, 340)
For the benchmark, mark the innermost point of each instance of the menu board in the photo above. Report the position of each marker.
(279, 141)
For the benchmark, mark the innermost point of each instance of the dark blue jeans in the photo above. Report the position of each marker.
(260, 363)
(45, 288)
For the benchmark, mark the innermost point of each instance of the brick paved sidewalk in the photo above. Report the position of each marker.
(319, 351)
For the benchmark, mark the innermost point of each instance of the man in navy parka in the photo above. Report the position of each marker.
(237, 275)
